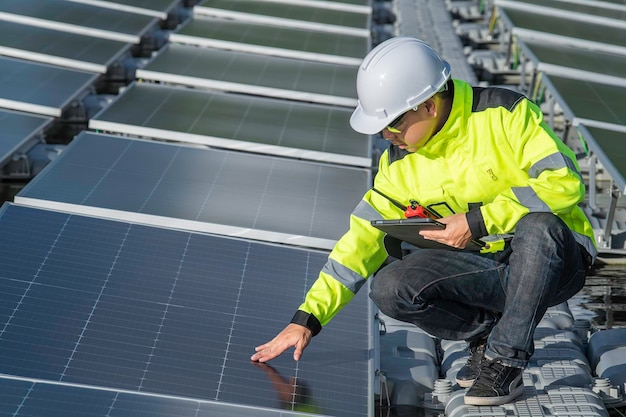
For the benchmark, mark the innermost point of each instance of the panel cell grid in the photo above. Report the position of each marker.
(587, 31)
(201, 30)
(577, 58)
(231, 121)
(70, 50)
(158, 8)
(19, 132)
(129, 308)
(293, 11)
(593, 101)
(306, 202)
(70, 17)
(253, 73)
(558, 7)
(356, 2)
(39, 88)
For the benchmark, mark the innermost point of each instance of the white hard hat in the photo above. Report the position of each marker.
(397, 75)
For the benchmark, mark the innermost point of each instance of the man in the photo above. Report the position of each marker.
(484, 162)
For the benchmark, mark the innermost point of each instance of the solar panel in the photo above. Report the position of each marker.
(617, 3)
(360, 6)
(334, 3)
(19, 132)
(107, 318)
(82, 52)
(77, 18)
(608, 145)
(243, 72)
(558, 9)
(356, 2)
(156, 8)
(271, 40)
(228, 193)
(590, 102)
(572, 62)
(39, 88)
(528, 25)
(297, 15)
(232, 121)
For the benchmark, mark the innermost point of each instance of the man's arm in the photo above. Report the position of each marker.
(357, 255)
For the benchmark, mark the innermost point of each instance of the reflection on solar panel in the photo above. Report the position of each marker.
(601, 103)
(129, 320)
(19, 131)
(304, 16)
(270, 40)
(232, 121)
(39, 88)
(77, 18)
(609, 147)
(253, 74)
(49, 46)
(156, 8)
(594, 35)
(232, 193)
(579, 63)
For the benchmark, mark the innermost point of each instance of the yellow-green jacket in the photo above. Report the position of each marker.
(494, 159)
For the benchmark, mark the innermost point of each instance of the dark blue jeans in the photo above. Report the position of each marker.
(458, 295)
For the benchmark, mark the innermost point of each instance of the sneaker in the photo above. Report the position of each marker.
(496, 384)
(468, 373)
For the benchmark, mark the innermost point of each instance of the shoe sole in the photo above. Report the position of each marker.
(465, 383)
(495, 400)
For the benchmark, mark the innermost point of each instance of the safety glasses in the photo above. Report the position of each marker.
(395, 122)
(393, 126)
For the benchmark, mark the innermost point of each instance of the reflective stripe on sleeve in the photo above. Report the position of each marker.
(365, 211)
(350, 279)
(529, 199)
(553, 162)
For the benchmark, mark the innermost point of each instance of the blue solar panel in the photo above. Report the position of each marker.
(78, 18)
(39, 88)
(91, 309)
(20, 131)
(247, 123)
(267, 198)
(21, 398)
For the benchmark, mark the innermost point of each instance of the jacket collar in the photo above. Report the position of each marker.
(456, 125)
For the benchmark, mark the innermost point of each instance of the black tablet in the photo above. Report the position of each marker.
(407, 230)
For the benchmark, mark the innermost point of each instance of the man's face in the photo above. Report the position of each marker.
(414, 128)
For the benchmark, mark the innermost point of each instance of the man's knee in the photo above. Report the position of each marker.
(540, 224)
(383, 288)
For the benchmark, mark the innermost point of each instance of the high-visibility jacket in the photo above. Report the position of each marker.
(494, 159)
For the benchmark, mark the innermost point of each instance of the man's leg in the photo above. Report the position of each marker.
(448, 294)
(546, 268)
(452, 295)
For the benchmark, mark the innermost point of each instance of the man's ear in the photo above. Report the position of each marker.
(431, 107)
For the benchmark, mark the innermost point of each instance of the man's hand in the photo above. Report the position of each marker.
(293, 335)
(456, 234)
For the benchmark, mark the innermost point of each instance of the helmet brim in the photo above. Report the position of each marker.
(362, 123)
